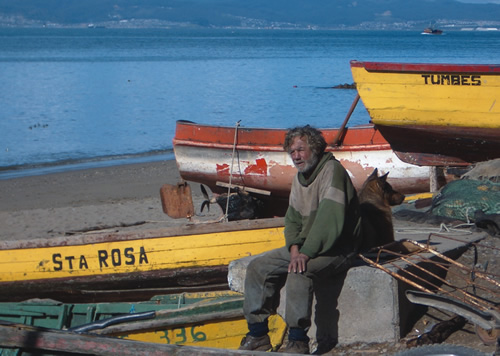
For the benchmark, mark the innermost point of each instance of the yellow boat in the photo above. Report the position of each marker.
(434, 114)
(125, 265)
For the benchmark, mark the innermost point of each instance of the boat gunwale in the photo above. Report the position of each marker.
(330, 148)
(398, 67)
(253, 128)
(107, 237)
(363, 137)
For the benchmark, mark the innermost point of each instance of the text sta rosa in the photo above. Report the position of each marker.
(113, 258)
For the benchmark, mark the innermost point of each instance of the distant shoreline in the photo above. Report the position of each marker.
(450, 28)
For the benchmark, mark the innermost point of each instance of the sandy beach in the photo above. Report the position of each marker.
(110, 197)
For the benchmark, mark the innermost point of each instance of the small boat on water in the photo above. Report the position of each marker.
(254, 157)
(433, 114)
(204, 319)
(131, 265)
(431, 31)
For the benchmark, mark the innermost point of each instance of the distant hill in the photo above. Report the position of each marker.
(245, 13)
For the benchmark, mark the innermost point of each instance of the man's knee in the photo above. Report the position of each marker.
(299, 280)
(256, 264)
(271, 260)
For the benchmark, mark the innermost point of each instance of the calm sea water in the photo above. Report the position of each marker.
(76, 97)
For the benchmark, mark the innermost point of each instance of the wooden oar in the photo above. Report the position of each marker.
(177, 321)
(336, 141)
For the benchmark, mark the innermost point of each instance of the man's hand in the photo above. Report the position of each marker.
(298, 261)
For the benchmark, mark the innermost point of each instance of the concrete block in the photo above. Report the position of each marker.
(368, 307)
(237, 271)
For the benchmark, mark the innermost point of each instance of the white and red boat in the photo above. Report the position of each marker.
(254, 157)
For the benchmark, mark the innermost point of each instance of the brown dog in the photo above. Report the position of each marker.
(376, 198)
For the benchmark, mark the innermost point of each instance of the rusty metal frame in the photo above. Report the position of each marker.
(464, 300)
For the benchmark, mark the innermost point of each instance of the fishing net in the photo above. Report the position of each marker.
(489, 170)
(461, 199)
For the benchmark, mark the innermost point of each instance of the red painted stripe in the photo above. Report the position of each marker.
(427, 67)
(265, 139)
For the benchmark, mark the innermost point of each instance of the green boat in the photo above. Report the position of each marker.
(205, 319)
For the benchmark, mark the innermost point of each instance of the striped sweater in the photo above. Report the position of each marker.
(323, 213)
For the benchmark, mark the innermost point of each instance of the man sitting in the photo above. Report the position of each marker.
(322, 234)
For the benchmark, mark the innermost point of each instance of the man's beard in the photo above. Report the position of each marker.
(309, 166)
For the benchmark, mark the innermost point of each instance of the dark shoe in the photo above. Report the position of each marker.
(262, 343)
(297, 347)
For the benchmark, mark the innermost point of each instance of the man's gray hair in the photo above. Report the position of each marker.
(314, 138)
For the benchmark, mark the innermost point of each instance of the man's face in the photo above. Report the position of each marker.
(302, 156)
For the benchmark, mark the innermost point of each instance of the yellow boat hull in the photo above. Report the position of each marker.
(223, 334)
(177, 257)
(433, 114)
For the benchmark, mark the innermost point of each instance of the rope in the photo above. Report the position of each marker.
(231, 169)
(442, 228)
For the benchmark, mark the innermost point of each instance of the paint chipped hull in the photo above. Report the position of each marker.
(434, 114)
(204, 154)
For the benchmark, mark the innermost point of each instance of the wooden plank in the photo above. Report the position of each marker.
(137, 293)
(114, 287)
(186, 230)
(248, 189)
(169, 322)
(32, 338)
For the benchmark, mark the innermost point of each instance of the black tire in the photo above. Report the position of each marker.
(440, 350)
